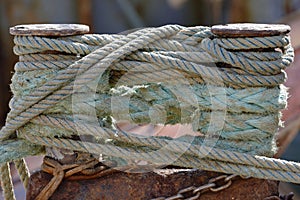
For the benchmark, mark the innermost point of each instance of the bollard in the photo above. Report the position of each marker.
(142, 183)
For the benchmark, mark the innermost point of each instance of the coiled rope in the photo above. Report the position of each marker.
(229, 89)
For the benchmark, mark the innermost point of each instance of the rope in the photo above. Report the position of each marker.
(163, 157)
(176, 145)
(6, 182)
(26, 108)
(23, 171)
(229, 89)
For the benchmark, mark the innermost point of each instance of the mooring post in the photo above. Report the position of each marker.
(171, 181)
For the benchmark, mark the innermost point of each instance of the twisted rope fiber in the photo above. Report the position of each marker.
(192, 67)
(46, 83)
(27, 108)
(164, 157)
(23, 171)
(243, 123)
(153, 142)
(6, 182)
(19, 106)
(285, 169)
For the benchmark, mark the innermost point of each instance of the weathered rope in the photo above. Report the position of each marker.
(229, 89)
(26, 108)
(176, 145)
(6, 182)
(163, 157)
(23, 171)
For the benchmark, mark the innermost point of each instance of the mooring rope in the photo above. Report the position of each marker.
(164, 157)
(229, 89)
(6, 182)
(23, 171)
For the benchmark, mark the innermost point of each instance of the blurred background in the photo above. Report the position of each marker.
(114, 16)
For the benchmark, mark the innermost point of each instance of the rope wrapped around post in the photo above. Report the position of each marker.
(70, 92)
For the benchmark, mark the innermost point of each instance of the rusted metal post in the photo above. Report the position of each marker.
(148, 185)
(156, 183)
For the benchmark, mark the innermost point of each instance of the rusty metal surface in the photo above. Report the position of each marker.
(49, 29)
(166, 182)
(250, 30)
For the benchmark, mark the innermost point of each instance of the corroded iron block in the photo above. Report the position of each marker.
(154, 184)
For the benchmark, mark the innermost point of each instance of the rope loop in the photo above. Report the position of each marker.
(253, 67)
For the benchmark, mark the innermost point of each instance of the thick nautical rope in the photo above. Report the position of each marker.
(228, 77)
